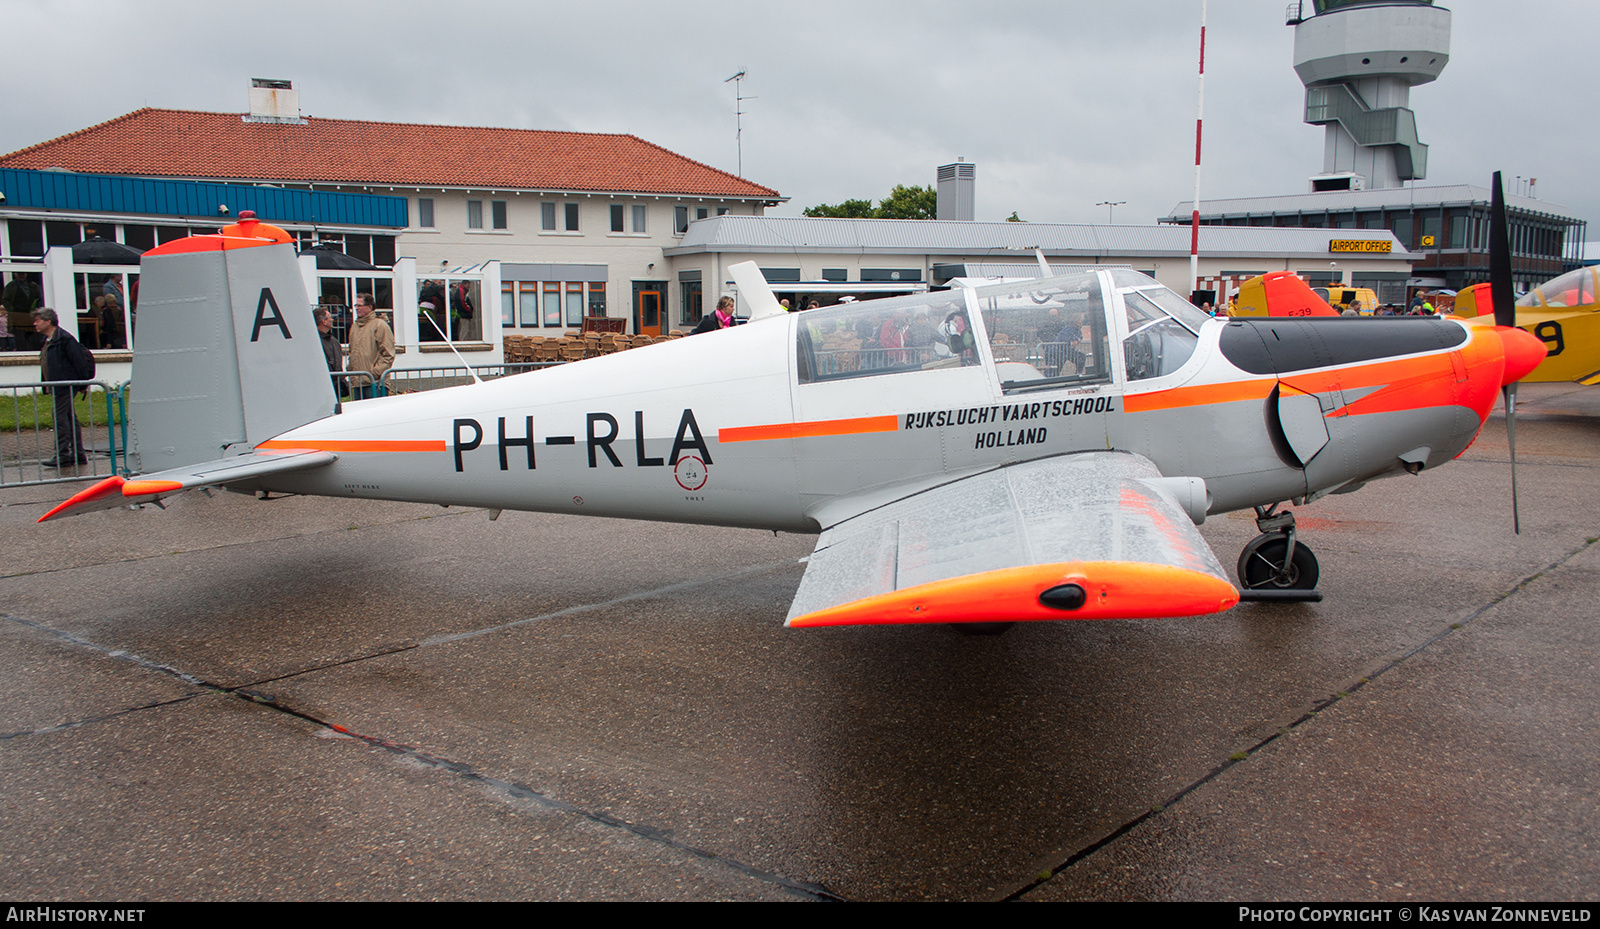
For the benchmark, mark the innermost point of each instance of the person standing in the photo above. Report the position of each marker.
(371, 348)
(721, 319)
(62, 359)
(332, 351)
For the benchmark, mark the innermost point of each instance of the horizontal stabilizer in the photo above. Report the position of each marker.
(118, 491)
(1093, 535)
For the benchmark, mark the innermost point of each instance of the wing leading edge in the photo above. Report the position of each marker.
(1093, 535)
(117, 491)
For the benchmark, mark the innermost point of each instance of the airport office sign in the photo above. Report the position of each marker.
(1380, 246)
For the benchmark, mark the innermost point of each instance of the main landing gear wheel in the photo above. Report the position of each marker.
(982, 628)
(1262, 564)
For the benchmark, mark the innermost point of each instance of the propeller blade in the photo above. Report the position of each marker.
(1509, 391)
(1505, 311)
(1505, 314)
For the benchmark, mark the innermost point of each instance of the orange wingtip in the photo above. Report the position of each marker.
(1113, 590)
(106, 488)
(145, 488)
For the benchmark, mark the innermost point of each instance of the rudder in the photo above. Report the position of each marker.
(226, 353)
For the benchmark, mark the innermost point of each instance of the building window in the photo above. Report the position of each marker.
(639, 214)
(572, 217)
(574, 304)
(618, 217)
(497, 213)
(722, 211)
(835, 274)
(425, 212)
(700, 213)
(691, 303)
(474, 214)
(57, 232)
(597, 298)
(552, 304)
(1400, 225)
(680, 220)
(359, 246)
(547, 217)
(27, 237)
(141, 237)
(891, 274)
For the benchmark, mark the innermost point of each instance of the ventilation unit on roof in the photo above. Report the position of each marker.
(956, 185)
(273, 101)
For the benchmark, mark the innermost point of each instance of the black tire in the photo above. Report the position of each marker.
(981, 628)
(1260, 561)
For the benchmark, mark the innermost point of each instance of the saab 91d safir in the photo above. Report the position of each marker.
(1018, 451)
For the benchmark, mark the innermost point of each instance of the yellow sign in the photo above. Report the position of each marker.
(1427, 241)
(1360, 245)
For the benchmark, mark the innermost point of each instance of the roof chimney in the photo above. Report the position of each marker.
(273, 101)
(956, 187)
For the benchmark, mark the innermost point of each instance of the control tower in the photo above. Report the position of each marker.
(1359, 60)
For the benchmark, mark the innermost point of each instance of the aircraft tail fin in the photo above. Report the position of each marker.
(1280, 293)
(227, 353)
(755, 290)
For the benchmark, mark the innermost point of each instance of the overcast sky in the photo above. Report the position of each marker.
(1060, 104)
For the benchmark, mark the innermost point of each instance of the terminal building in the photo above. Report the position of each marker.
(547, 227)
(544, 229)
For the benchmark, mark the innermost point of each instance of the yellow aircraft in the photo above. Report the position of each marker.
(1564, 313)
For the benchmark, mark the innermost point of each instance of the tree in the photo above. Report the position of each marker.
(910, 203)
(850, 209)
(902, 203)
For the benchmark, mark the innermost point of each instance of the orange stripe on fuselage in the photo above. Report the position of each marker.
(358, 445)
(1408, 383)
(812, 429)
(1201, 395)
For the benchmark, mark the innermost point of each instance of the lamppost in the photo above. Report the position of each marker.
(1110, 206)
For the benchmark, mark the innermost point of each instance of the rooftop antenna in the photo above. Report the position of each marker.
(1194, 219)
(738, 114)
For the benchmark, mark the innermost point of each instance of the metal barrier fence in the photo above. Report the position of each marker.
(28, 438)
(30, 443)
(412, 380)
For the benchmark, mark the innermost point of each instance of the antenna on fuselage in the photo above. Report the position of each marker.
(429, 318)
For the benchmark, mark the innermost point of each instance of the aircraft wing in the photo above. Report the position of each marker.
(117, 491)
(1091, 535)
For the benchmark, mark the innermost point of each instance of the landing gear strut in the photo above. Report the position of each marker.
(1275, 566)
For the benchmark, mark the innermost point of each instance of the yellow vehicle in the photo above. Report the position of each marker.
(1361, 299)
(1564, 313)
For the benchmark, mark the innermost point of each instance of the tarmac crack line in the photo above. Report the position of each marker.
(522, 792)
(509, 789)
(1316, 709)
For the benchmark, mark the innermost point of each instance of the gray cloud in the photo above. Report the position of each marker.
(1060, 104)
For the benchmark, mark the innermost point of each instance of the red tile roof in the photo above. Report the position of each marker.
(187, 144)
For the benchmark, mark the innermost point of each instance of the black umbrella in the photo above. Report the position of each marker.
(98, 251)
(331, 259)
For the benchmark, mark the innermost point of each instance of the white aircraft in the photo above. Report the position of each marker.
(1018, 451)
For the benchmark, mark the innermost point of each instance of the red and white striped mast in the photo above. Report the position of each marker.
(1194, 219)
